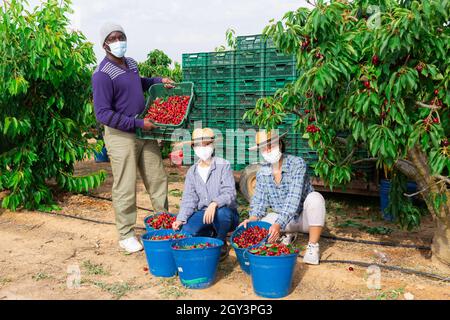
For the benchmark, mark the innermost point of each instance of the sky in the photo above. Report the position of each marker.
(175, 26)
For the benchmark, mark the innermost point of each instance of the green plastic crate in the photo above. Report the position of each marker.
(197, 112)
(194, 60)
(165, 131)
(249, 85)
(200, 86)
(250, 71)
(269, 43)
(244, 125)
(250, 56)
(240, 110)
(276, 56)
(271, 85)
(221, 112)
(220, 99)
(220, 124)
(280, 69)
(221, 85)
(248, 98)
(220, 72)
(250, 42)
(194, 73)
(201, 99)
(220, 58)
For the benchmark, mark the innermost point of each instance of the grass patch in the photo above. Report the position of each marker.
(172, 289)
(390, 294)
(41, 276)
(117, 289)
(4, 281)
(362, 227)
(176, 193)
(94, 269)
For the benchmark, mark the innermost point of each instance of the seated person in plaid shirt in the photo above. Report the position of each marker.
(283, 185)
(208, 207)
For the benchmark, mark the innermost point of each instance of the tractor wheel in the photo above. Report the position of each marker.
(247, 183)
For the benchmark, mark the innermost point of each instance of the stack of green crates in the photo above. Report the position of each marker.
(229, 83)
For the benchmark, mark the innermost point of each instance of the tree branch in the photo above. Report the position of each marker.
(428, 106)
(342, 140)
(365, 160)
(442, 178)
(348, 157)
(295, 111)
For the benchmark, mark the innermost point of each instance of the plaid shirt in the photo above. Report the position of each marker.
(220, 187)
(285, 199)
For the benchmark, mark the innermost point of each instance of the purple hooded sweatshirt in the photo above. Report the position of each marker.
(119, 94)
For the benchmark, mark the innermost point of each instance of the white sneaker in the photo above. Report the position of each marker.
(131, 245)
(312, 254)
(288, 238)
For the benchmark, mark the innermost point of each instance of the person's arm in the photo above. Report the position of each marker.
(103, 96)
(259, 202)
(190, 200)
(148, 82)
(227, 187)
(293, 198)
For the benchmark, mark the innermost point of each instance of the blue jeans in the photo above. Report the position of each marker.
(225, 220)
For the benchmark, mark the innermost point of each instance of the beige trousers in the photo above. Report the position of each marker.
(127, 154)
(313, 215)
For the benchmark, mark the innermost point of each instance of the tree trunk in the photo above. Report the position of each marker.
(441, 239)
(441, 242)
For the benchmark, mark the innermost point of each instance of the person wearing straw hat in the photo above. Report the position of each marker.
(283, 185)
(208, 206)
(118, 92)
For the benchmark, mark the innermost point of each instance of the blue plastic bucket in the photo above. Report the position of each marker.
(101, 156)
(150, 229)
(243, 261)
(272, 276)
(385, 188)
(197, 268)
(159, 254)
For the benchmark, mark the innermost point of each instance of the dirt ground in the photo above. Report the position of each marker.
(39, 251)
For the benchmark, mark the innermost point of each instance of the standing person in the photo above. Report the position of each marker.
(283, 185)
(208, 206)
(118, 99)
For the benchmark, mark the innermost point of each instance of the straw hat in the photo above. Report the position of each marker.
(263, 138)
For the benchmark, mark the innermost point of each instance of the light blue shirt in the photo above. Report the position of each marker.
(220, 187)
(285, 199)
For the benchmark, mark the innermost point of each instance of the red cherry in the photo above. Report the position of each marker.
(375, 60)
(367, 84)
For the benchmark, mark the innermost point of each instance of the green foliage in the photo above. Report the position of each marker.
(230, 37)
(381, 75)
(166, 149)
(45, 107)
(362, 227)
(158, 64)
(404, 212)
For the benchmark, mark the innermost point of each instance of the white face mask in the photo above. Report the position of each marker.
(204, 153)
(118, 48)
(273, 156)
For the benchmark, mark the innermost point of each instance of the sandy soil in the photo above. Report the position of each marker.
(38, 252)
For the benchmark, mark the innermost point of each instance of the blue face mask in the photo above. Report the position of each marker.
(118, 48)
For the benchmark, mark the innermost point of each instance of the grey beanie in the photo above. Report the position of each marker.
(107, 29)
